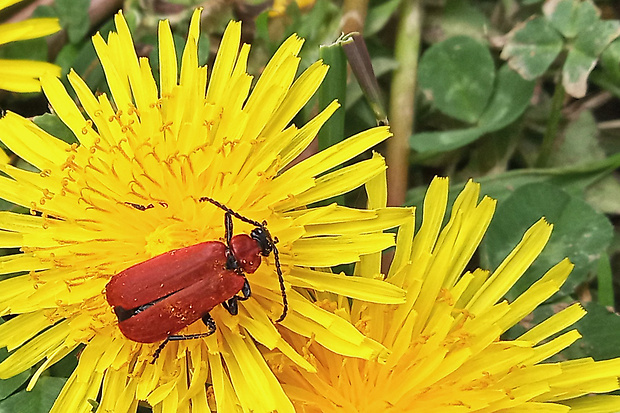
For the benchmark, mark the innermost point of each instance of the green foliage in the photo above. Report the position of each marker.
(573, 25)
(73, 16)
(39, 400)
(54, 126)
(457, 75)
(487, 75)
(580, 233)
(15, 399)
(505, 101)
(11, 385)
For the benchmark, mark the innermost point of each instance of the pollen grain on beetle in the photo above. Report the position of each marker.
(447, 353)
(131, 195)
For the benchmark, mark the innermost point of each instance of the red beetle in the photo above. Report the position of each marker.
(157, 298)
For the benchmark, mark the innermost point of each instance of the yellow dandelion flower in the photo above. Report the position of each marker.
(279, 6)
(446, 351)
(131, 190)
(23, 75)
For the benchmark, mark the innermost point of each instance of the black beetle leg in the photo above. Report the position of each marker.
(231, 305)
(246, 291)
(206, 319)
(210, 323)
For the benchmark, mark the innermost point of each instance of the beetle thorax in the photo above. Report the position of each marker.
(247, 252)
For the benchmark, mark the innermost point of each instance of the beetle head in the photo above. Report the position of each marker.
(263, 237)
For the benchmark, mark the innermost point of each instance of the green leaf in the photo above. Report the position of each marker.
(610, 61)
(31, 49)
(580, 233)
(8, 386)
(593, 39)
(580, 21)
(584, 53)
(604, 278)
(67, 365)
(531, 47)
(573, 179)
(511, 98)
(55, 127)
(39, 400)
(580, 142)
(333, 88)
(604, 195)
(73, 17)
(570, 16)
(83, 59)
(442, 141)
(575, 72)
(457, 75)
(459, 17)
(379, 15)
(600, 329)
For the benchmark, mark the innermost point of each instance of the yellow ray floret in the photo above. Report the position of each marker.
(23, 75)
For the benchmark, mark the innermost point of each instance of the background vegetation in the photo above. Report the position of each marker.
(520, 95)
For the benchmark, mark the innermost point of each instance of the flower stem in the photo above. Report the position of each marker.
(402, 99)
(353, 16)
(552, 126)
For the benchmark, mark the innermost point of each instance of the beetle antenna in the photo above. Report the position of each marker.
(231, 212)
(276, 254)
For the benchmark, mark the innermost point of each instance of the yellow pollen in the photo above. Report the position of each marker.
(68, 163)
(445, 296)
(52, 315)
(166, 127)
(132, 109)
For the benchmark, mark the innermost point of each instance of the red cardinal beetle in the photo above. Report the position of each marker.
(157, 298)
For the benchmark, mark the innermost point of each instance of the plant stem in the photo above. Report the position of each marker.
(605, 281)
(552, 126)
(354, 15)
(402, 99)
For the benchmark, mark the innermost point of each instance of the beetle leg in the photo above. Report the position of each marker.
(206, 319)
(231, 261)
(231, 305)
(246, 291)
(210, 323)
(159, 349)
